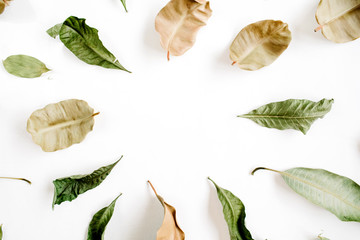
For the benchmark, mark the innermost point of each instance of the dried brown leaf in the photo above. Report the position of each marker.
(169, 229)
(260, 44)
(178, 23)
(339, 20)
(59, 125)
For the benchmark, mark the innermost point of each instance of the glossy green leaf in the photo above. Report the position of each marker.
(55, 30)
(124, 4)
(296, 114)
(99, 222)
(84, 42)
(338, 194)
(24, 66)
(69, 188)
(234, 214)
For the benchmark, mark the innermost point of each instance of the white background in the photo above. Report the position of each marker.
(175, 123)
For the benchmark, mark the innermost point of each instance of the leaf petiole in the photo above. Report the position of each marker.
(21, 179)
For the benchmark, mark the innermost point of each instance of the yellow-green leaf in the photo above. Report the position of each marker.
(24, 66)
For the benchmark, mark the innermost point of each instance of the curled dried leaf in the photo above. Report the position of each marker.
(339, 20)
(178, 23)
(59, 125)
(169, 229)
(260, 44)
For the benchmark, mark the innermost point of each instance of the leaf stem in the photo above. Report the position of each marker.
(152, 187)
(95, 114)
(168, 55)
(233, 63)
(318, 28)
(264, 168)
(21, 179)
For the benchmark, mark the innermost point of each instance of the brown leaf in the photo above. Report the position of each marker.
(59, 125)
(178, 23)
(339, 19)
(260, 44)
(169, 229)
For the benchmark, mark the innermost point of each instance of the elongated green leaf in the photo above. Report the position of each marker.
(84, 42)
(234, 214)
(124, 4)
(296, 114)
(69, 188)
(100, 220)
(1, 232)
(55, 30)
(339, 195)
(24, 66)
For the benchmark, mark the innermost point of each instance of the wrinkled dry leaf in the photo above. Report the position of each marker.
(260, 44)
(59, 125)
(339, 20)
(169, 229)
(178, 23)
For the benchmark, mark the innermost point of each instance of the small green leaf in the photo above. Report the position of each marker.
(296, 114)
(55, 30)
(1, 232)
(24, 66)
(99, 221)
(339, 195)
(124, 4)
(234, 214)
(84, 42)
(321, 237)
(69, 188)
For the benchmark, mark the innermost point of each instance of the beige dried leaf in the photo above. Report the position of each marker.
(169, 229)
(178, 23)
(59, 125)
(260, 44)
(339, 20)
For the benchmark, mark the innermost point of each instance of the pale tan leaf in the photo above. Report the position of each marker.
(339, 20)
(178, 23)
(260, 44)
(59, 125)
(169, 229)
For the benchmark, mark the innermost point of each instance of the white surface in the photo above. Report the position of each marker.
(175, 123)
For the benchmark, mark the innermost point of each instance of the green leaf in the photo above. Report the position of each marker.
(24, 66)
(234, 214)
(1, 232)
(339, 195)
(69, 188)
(296, 114)
(84, 42)
(321, 237)
(124, 4)
(55, 30)
(99, 221)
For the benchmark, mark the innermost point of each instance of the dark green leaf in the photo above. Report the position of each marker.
(55, 30)
(124, 4)
(24, 66)
(296, 114)
(99, 221)
(338, 194)
(69, 188)
(84, 42)
(234, 214)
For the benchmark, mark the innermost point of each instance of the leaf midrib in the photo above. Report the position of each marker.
(275, 116)
(320, 188)
(63, 125)
(341, 14)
